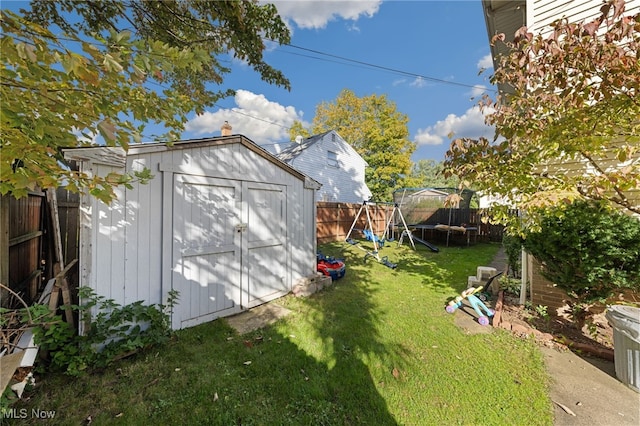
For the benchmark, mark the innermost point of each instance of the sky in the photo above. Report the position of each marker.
(425, 56)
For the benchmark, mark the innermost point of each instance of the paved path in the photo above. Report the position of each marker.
(586, 386)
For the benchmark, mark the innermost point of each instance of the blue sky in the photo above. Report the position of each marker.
(441, 40)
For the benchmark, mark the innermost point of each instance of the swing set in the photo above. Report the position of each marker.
(371, 235)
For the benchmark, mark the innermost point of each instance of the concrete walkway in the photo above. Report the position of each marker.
(589, 390)
(584, 389)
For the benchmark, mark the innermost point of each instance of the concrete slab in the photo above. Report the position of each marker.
(467, 319)
(257, 317)
(589, 389)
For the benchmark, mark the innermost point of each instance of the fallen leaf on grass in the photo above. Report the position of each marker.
(396, 373)
(215, 397)
(247, 362)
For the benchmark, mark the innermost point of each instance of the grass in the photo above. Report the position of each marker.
(376, 348)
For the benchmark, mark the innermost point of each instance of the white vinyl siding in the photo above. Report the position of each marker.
(542, 13)
(343, 183)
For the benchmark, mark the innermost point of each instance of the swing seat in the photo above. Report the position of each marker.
(370, 236)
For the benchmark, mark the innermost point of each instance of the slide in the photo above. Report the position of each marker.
(426, 243)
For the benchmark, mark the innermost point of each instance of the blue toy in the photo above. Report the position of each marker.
(370, 236)
(477, 304)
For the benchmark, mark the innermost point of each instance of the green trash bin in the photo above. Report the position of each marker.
(625, 321)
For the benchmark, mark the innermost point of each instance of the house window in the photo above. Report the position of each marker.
(332, 159)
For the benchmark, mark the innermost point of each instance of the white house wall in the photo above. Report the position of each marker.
(344, 183)
(542, 13)
(122, 250)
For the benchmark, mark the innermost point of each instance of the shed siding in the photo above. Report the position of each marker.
(122, 243)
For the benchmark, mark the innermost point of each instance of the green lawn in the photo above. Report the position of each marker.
(376, 348)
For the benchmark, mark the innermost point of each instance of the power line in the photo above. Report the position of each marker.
(381, 67)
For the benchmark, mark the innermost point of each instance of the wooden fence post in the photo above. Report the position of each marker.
(4, 248)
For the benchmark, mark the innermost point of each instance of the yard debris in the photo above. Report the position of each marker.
(215, 396)
(247, 363)
(565, 408)
(396, 373)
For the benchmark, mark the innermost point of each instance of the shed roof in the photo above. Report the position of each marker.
(116, 156)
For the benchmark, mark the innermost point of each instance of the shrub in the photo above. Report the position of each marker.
(587, 249)
(513, 250)
(115, 331)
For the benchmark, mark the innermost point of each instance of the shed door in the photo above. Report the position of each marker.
(265, 259)
(229, 247)
(206, 249)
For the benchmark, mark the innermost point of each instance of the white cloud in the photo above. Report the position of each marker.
(485, 62)
(90, 136)
(315, 14)
(469, 125)
(418, 82)
(477, 91)
(255, 117)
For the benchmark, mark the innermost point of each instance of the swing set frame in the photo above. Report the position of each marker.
(374, 237)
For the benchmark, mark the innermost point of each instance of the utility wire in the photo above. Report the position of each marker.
(370, 65)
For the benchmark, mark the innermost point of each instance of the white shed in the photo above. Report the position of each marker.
(223, 222)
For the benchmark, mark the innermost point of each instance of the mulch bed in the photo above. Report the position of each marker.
(554, 331)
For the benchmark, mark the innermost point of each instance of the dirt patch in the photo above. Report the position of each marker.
(595, 338)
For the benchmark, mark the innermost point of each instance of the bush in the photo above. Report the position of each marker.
(513, 250)
(115, 331)
(588, 250)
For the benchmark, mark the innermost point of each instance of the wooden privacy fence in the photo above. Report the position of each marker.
(23, 243)
(335, 219)
(29, 229)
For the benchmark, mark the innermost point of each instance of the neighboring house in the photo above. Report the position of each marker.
(507, 17)
(222, 221)
(328, 159)
(429, 194)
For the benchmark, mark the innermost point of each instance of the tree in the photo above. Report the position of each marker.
(298, 129)
(117, 67)
(571, 127)
(429, 173)
(377, 131)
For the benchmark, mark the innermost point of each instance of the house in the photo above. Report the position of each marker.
(328, 159)
(222, 221)
(507, 17)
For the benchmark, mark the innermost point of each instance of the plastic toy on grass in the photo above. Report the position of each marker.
(477, 304)
(332, 267)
